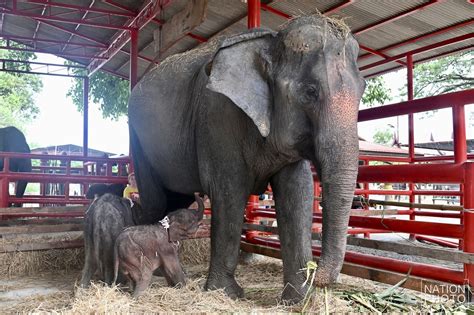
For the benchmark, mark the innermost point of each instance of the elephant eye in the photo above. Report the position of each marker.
(310, 93)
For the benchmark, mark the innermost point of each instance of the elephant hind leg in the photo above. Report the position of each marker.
(143, 283)
(90, 267)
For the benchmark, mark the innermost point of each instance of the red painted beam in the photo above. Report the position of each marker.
(61, 54)
(424, 36)
(53, 18)
(149, 11)
(23, 39)
(79, 9)
(378, 53)
(384, 263)
(418, 173)
(268, 8)
(338, 7)
(395, 17)
(420, 50)
(418, 105)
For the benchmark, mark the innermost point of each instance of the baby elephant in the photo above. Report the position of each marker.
(105, 218)
(140, 250)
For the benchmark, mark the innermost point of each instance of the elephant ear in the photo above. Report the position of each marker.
(238, 72)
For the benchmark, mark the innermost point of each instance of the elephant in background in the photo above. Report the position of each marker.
(230, 117)
(13, 140)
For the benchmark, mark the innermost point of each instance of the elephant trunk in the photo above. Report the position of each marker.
(201, 206)
(337, 165)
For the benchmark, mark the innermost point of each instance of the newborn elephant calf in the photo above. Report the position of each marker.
(105, 218)
(139, 250)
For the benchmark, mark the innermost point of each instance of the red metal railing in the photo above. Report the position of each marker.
(58, 170)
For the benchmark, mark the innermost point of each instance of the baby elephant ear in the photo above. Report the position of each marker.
(239, 71)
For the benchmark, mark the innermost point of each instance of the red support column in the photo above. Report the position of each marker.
(133, 57)
(85, 139)
(253, 15)
(4, 184)
(250, 217)
(459, 134)
(468, 221)
(411, 133)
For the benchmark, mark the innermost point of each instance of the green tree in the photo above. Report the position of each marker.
(109, 91)
(384, 137)
(17, 91)
(445, 75)
(376, 92)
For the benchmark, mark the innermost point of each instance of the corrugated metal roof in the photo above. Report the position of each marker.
(229, 16)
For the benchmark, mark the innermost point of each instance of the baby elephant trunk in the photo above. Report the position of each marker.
(200, 203)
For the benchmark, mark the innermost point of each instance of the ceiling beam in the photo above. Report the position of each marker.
(443, 54)
(424, 36)
(138, 22)
(420, 50)
(79, 9)
(78, 25)
(395, 17)
(8, 46)
(54, 18)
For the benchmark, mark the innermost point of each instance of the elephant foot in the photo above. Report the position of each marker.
(325, 277)
(230, 286)
(293, 292)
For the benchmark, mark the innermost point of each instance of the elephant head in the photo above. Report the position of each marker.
(301, 87)
(183, 223)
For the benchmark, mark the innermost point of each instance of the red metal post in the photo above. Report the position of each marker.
(85, 139)
(459, 134)
(252, 204)
(253, 13)
(468, 220)
(133, 57)
(4, 184)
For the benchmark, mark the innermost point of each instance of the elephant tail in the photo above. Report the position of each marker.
(149, 184)
(116, 263)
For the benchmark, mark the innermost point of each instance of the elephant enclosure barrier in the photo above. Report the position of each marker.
(453, 226)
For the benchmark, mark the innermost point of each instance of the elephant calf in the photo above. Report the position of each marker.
(105, 218)
(140, 250)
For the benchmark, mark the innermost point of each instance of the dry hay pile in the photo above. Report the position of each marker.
(31, 262)
(262, 283)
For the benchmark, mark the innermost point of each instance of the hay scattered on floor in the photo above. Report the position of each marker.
(40, 303)
(195, 251)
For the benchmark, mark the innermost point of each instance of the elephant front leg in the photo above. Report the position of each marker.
(293, 193)
(227, 219)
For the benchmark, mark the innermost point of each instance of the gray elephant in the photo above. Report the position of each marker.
(13, 140)
(238, 113)
(105, 218)
(140, 250)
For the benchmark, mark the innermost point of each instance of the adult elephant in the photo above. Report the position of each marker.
(13, 140)
(238, 113)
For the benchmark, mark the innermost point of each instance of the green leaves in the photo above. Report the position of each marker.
(17, 91)
(109, 91)
(376, 92)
